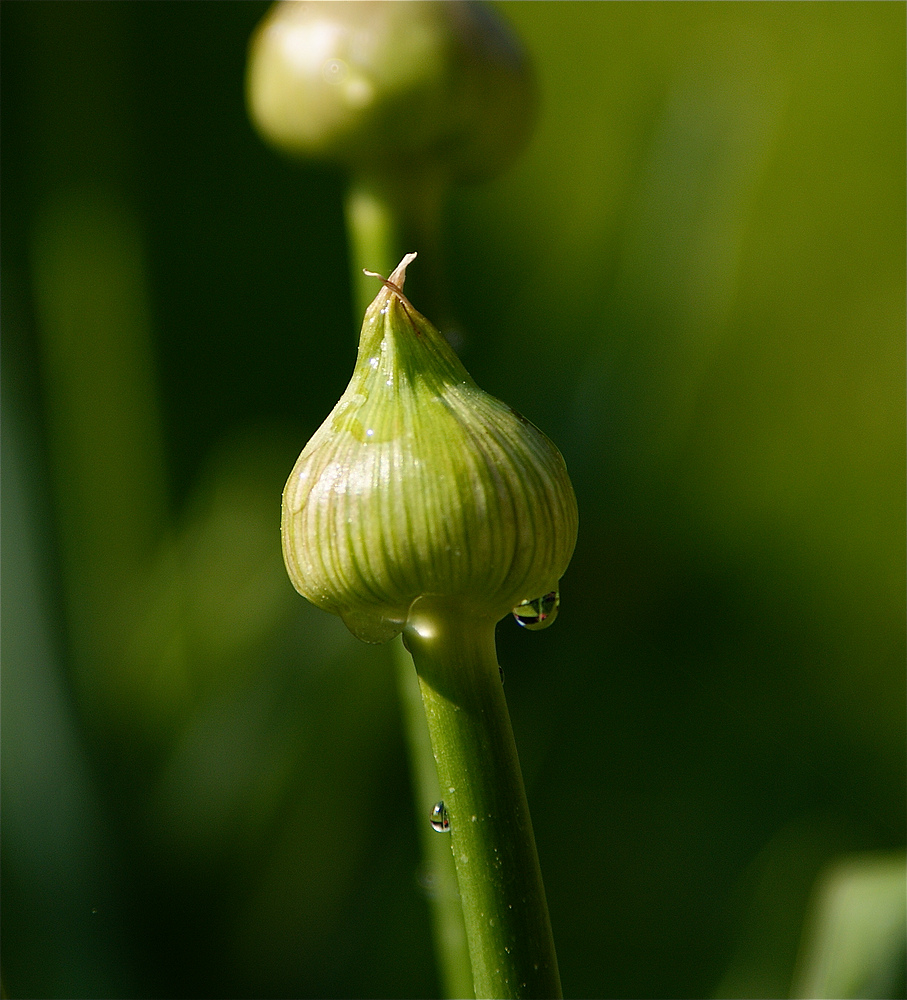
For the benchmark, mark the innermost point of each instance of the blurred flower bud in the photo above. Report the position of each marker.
(420, 487)
(380, 86)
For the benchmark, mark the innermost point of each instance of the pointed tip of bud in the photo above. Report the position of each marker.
(397, 279)
(399, 275)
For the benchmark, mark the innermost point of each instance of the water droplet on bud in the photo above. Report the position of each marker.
(440, 821)
(539, 613)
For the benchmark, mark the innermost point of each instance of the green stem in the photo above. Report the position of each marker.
(389, 216)
(504, 906)
(373, 218)
(437, 862)
(373, 228)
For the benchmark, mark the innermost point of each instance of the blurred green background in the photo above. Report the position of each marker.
(693, 281)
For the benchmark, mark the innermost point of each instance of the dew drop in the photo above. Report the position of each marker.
(440, 821)
(539, 613)
(371, 627)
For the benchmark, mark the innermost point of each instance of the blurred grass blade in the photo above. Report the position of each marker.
(854, 944)
(60, 907)
(103, 420)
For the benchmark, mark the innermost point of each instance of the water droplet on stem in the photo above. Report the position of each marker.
(440, 821)
(539, 613)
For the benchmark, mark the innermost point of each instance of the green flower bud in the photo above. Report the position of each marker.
(422, 491)
(384, 87)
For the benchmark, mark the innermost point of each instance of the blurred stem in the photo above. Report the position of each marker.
(387, 217)
(373, 228)
(507, 925)
(373, 219)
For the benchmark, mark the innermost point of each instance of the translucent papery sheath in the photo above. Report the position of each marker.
(419, 484)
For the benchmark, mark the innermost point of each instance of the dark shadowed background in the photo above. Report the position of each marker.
(693, 281)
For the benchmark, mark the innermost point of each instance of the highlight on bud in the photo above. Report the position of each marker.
(420, 487)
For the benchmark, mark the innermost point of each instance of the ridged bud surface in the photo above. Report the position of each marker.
(421, 485)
